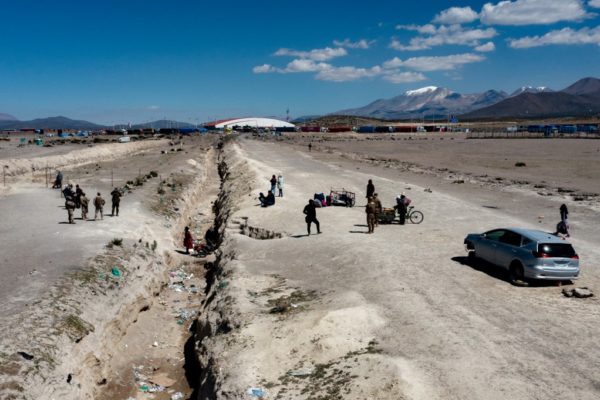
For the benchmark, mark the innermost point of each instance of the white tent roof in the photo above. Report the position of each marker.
(254, 122)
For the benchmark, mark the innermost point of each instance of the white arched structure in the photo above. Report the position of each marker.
(254, 122)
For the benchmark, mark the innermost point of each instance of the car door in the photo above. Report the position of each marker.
(508, 248)
(486, 248)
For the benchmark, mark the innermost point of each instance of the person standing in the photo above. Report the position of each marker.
(116, 200)
(564, 212)
(84, 206)
(309, 147)
(188, 240)
(402, 203)
(311, 216)
(371, 209)
(370, 189)
(99, 206)
(280, 185)
(58, 180)
(273, 183)
(378, 208)
(70, 206)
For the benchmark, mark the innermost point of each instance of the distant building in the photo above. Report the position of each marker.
(252, 122)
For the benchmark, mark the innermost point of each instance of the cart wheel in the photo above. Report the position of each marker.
(416, 217)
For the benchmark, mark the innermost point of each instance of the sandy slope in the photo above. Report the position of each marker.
(396, 314)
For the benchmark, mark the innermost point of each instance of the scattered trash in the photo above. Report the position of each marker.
(580, 293)
(144, 387)
(223, 284)
(177, 396)
(115, 271)
(25, 355)
(257, 392)
(302, 372)
(155, 344)
(428, 190)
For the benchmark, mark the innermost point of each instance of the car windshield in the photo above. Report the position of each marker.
(564, 250)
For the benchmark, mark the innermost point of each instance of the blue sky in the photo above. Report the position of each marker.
(115, 62)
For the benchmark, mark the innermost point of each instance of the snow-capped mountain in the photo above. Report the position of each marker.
(427, 102)
(530, 89)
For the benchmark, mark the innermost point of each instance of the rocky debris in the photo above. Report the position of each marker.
(580, 293)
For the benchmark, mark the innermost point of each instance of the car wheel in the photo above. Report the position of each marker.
(471, 256)
(517, 276)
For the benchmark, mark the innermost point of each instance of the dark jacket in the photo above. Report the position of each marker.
(116, 196)
(370, 190)
(310, 211)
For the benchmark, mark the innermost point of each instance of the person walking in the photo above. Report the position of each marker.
(188, 240)
(70, 206)
(371, 209)
(273, 183)
(280, 185)
(116, 200)
(378, 208)
(311, 216)
(84, 206)
(78, 192)
(99, 206)
(370, 189)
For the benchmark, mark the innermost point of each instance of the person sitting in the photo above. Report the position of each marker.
(267, 201)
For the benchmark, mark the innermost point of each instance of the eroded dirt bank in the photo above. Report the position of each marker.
(64, 343)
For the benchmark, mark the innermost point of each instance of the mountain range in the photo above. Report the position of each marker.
(431, 102)
(9, 122)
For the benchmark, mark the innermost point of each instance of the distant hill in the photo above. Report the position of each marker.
(582, 99)
(162, 124)
(428, 102)
(49, 123)
(304, 118)
(7, 117)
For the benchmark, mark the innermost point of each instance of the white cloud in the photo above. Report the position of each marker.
(263, 69)
(344, 74)
(435, 63)
(532, 12)
(487, 47)
(594, 3)
(317, 54)
(404, 77)
(565, 36)
(444, 35)
(360, 44)
(153, 108)
(422, 29)
(304, 65)
(456, 15)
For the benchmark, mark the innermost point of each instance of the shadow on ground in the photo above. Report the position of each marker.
(501, 273)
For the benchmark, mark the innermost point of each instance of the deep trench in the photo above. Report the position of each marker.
(201, 378)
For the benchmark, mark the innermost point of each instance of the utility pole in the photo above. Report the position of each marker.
(112, 178)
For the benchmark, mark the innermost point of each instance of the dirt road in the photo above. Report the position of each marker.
(417, 320)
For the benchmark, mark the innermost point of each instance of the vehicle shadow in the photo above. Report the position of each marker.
(500, 273)
(485, 267)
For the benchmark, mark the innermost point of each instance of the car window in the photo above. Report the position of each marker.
(494, 235)
(563, 250)
(525, 241)
(512, 238)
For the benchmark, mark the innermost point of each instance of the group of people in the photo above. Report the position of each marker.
(76, 198)
(374, 207)
(276, 187)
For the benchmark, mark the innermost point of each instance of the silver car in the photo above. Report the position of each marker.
(525, 253)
